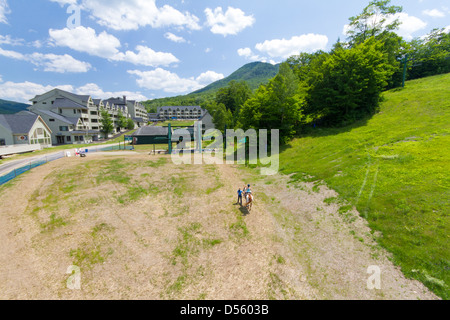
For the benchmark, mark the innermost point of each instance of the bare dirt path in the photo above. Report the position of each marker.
(140, 227)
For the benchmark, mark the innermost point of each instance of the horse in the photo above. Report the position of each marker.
(249, 204)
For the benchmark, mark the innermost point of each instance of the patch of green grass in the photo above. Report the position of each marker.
(83, 257)
(279, 259)
(394, 168)
(187, 245)
(239, 229)
(91, 252)
(156, 164)
(332, 200)
(54, 223)
(209, 243)
(137, 192)
(276, 286)
(175, 123)
(345, 209)
(212, 172)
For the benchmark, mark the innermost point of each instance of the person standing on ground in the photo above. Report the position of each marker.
(240, 192)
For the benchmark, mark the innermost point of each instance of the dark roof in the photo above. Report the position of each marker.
(116, 101)
(97, 101)
(58, 116)
(64, 103)
(84, 98)
(18, 124)
(152, 131)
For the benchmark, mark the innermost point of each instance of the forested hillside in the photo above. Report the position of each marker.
(11, 107)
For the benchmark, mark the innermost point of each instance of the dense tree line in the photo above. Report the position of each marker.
(338, 87)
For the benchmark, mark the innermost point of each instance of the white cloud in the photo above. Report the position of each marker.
(50, 62)
(146, 57)
(434, 13)
(59, 63)
(231, 22)
(64, 2)
(409, 25)
(107, 46)
(10, 41)
(282, 48)
(24, 91)
(172, 37)
(95, 91)
(4, 10)
(160, 79)
(209, 77)
(86, 40)
(134, 14)
(248, 54)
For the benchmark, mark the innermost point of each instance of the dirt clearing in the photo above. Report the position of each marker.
(140, 227)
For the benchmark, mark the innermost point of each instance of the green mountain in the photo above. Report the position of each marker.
(255, 74)
(11, 107)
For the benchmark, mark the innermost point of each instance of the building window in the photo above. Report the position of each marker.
(51, 120)
(69, 139)
(40, 131)
(63, 129)
(2, 142)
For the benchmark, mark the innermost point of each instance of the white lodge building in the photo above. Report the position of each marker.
(75, 119)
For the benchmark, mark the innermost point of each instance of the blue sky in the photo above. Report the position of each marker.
(148, 49)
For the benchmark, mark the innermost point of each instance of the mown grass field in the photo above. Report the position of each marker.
(177, 123)
(394, 168)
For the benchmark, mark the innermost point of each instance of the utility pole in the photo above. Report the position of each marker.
(405, 68)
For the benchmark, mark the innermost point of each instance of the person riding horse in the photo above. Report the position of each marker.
(248, 196)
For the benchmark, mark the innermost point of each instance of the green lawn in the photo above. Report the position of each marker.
(175, 123)
(395, 168)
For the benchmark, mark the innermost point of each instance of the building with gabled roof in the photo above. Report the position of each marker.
(75, 119)
(24, 128)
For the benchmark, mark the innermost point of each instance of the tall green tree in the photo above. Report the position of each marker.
(234, 96)
(348, 84)
(122, 121)
(222, 117)
(430, 55)
(130, 124)
(377, 18)
(275, 106)
(106, 122)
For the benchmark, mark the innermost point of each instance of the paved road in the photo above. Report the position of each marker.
(14, 164)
